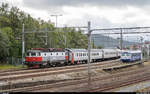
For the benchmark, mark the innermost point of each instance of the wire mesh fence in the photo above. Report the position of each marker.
(12, 61)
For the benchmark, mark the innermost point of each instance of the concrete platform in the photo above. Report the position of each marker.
(121, 66)
(133, 87)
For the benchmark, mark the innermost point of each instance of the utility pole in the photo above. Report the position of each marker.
(56, 18)
(46, 36)
(93, 43)
(65, 37)
(23, 45)
(121, 39)
(89, 54)
(65, 40)
(143, 56)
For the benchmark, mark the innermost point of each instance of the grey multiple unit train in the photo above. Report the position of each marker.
(53, 57)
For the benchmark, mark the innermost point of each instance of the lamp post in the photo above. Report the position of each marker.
(56, 18)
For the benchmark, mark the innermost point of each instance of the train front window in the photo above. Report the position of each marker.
(128, 54)
(33, 54)
(38, 54)
(123, 54)
(28, 54)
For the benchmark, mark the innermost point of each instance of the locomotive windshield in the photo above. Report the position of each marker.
(126, 54)
(33, 54)
(28, 54)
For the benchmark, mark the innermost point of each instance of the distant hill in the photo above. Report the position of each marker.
(105, 41)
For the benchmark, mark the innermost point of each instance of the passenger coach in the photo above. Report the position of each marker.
(131, 55)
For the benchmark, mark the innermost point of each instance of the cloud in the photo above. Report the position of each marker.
(44, 4)
(102, 13)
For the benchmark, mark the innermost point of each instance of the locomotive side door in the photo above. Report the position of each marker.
(70, 56)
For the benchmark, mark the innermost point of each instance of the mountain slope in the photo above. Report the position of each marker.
(105, 41)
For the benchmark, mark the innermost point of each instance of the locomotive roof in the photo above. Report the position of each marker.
(95, 50)
(34, 51)
(109, 49)
(131, 51)
(76, 50)
(47, 50)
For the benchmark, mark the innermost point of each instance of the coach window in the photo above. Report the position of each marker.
(45, 54)
(62, 54)
(28, 54)
(51, 54)
(77, 54)
(66, 53)
(56, 53)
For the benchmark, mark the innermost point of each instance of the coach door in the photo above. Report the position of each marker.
(70, 56)
(102, 54)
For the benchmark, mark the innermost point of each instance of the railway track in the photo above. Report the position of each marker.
(125, 82)
(24, 70)
(104, 84)
(53, 71)
(81, 81)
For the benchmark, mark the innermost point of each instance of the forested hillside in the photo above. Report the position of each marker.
(11, 20)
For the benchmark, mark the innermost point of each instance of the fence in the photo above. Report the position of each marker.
(12, 61)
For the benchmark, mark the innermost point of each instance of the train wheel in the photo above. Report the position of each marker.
(41, 66)
(65, 63)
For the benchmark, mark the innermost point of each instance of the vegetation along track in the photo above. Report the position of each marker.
(49, 71)
(130, 73)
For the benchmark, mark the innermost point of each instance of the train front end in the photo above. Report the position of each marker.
(33, 59)
(125, 57)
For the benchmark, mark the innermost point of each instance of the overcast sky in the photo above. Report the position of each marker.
(102, 13)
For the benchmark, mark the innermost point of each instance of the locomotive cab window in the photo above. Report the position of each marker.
(38, 54)
(128, 54)
(28, 53)
(33, 54)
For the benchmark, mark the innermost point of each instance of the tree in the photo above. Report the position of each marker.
(11, 20)
(4, 47)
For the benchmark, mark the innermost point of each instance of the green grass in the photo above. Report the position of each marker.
(7, 67)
